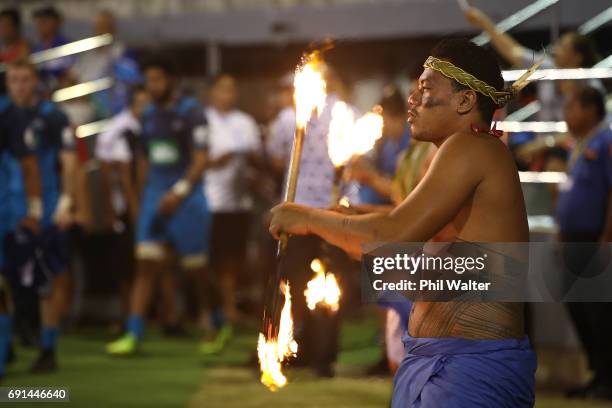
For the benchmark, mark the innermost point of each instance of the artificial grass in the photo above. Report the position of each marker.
(169, 373)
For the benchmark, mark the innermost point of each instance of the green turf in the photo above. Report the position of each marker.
(169, 373)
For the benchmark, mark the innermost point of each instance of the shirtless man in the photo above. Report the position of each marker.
(459, 354)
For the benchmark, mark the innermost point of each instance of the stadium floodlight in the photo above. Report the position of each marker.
(92, 128)
(594, 23)
(549, 177)
(536, 127)
(556, 74)
(516, 19)
(85, 88)
(71, 48)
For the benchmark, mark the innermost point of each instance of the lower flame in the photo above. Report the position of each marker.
(323, 289)
(273, 352)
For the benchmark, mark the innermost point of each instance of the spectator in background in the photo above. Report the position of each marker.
(234, 140)
(113, 61)
(584, 213)
(12, 44)
(48, 22)
(572, 50)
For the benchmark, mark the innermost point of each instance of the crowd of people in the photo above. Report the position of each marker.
(181, 186)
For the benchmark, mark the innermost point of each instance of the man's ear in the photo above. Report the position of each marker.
(467, 100)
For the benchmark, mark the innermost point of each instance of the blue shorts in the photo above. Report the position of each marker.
(453, 372)
(186, 231)
(35, 260)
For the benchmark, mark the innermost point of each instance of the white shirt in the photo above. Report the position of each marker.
(316, 177)
(111, 144)
(230, 132)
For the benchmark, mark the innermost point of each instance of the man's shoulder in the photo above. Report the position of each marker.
(478, 148)
(52, 112)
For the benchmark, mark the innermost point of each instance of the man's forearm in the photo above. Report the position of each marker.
(349, 232)
(511, 50)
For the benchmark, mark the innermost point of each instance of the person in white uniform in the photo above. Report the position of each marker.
(234, 143)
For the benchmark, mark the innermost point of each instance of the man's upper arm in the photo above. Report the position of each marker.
(447, 185)
(200, 132)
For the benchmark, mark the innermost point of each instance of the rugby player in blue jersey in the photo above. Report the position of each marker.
(38, 162)
(174, 215)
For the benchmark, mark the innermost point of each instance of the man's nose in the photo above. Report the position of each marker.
(414, 99)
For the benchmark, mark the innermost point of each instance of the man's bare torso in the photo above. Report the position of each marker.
(495, 212)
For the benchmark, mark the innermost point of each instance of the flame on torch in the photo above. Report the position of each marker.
(348, 137)
(309, 88)
(323, 289)
(273, 352)
(275, 343)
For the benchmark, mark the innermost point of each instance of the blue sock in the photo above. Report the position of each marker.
(5, 339)
(49, 337)
(135, 326)
(217, 318)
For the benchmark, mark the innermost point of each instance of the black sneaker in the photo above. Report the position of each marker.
(45, 363)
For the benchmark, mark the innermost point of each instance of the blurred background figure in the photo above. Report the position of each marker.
(572, 50)
(584, 212)
(38, 242)
(116, 149)
(174, 219)
(115, 61)
(13, 46)
(48, 22)
(234, 143)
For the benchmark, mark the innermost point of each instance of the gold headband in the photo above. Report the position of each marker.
(500, 98)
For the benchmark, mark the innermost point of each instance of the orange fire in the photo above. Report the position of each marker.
(323, 289)
(309, 88)
(348, 137)
(273, 352)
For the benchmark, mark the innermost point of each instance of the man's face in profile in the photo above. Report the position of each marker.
(430, 107)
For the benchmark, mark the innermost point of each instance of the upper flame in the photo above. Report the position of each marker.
(273, 352)
(348, 137)
(309, 88)
(323, 288)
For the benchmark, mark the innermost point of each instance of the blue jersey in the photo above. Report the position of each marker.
(169, 135)
(42, 130)
(583, 200)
